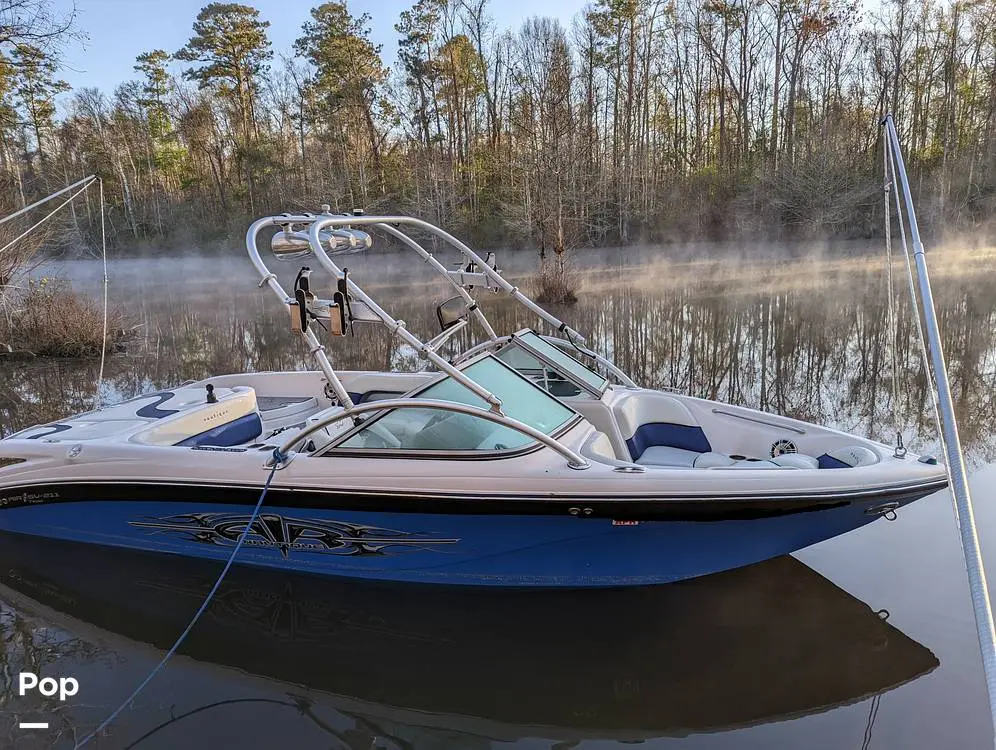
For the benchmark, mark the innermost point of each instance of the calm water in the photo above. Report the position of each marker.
(865, 641)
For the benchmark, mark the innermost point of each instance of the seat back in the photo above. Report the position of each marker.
(649, 418)
(849, 457)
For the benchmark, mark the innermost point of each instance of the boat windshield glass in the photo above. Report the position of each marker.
(540, 349)
(437, 430)
(530, 366)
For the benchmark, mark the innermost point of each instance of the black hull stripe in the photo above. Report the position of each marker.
(647, 509)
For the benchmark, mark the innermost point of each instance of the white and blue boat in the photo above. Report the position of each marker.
(522, 461)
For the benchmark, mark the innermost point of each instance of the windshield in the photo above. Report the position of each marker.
(545, 376)
(570, 367)
(437, 430)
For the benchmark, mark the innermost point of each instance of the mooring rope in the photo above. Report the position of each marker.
(876, 701)
(103, 340)
(47, 198)
(48, 216)
(278, 459)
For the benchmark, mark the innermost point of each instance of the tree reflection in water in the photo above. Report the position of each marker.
(814, 347)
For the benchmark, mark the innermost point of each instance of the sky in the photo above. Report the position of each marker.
(120, 30)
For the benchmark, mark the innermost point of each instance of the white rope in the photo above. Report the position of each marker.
(103, 340)
(48, 216)
(85, 184)
(46, 199)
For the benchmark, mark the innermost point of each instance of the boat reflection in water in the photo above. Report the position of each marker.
(772, 641)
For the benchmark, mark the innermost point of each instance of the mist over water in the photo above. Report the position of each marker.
(864, 641)
(808, 338)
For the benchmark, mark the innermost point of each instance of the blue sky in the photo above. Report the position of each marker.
(119, 30)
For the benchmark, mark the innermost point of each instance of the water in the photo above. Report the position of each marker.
(865, 641)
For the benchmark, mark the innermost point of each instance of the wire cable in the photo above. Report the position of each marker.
(46, 199)
(48, 216)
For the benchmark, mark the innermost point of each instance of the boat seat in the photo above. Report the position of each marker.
(657, 420)
(849, 457)
(660, 455)
(665, 455)
(186, 418)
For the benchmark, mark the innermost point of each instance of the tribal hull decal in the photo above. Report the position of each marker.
(292, 534)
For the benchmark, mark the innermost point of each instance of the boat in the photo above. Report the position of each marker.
(513, 459)
(765, 643)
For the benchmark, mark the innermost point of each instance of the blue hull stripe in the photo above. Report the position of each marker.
(489, 550)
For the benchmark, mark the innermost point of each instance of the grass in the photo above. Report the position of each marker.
(47, 319)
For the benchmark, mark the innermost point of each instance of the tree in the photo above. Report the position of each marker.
(165, 146)
(152, 65)
(36, 87)
(32, 22)
(417, 27)
(232, 47)
(348, 75)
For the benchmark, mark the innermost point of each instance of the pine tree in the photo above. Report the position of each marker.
(36, 87)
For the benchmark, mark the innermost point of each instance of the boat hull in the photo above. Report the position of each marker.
(487, 549)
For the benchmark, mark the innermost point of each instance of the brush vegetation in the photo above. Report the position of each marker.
(556, 283)
(46, 318)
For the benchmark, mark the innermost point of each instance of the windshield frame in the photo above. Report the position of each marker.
(336, 447)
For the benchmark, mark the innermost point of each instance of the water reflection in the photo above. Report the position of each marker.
(327, 664)
(816, 351)
(383, 664)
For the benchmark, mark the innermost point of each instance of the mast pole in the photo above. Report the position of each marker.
(957, 475)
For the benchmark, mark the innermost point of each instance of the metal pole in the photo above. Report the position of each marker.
(397, 327)
(441, 269)
(270, 279)
(957, 475)
(498, 279)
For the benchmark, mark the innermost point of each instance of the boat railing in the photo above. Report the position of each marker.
(574, 459)
(570, 346)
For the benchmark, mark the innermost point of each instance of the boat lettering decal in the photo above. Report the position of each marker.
(297, 534)
(27, 498)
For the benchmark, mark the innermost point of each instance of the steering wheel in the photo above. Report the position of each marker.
(385, 437)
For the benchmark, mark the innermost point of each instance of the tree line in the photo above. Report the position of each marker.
(639, 120)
